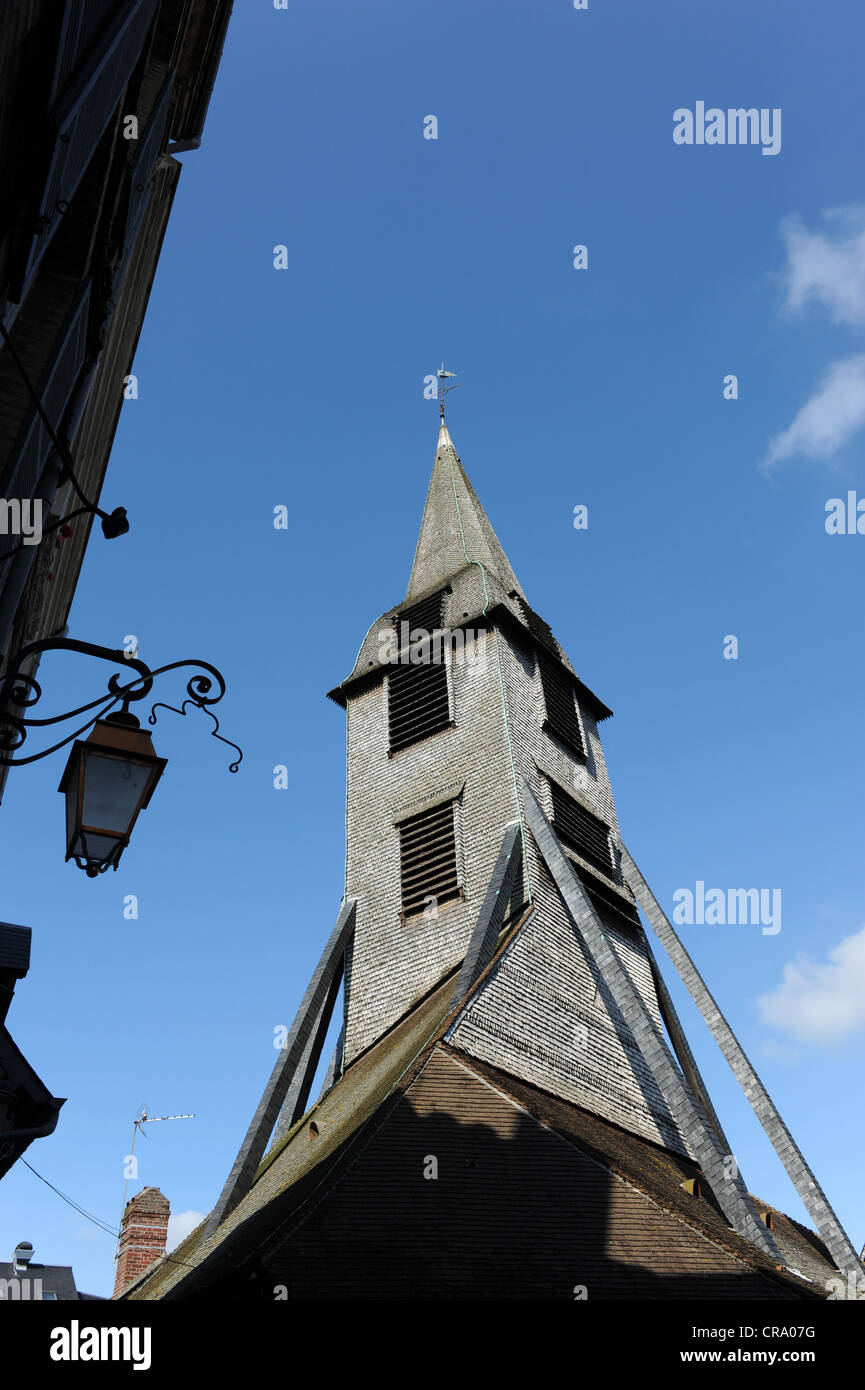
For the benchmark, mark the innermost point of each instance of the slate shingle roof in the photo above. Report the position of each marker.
(296, 1164)
(536, 1194)
(56, 1279)
(518, 1209)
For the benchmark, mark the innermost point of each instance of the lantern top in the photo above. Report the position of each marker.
(117, 739)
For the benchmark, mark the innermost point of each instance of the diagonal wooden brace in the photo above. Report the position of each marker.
(729, 1189)
(308, 1015)
(835, 1237)
(301, 1083)
(334, 1066)
(684, 1055)
(482, 945)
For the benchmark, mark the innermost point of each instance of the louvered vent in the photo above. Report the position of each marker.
(583, 831)
(562, 717)
(425, 616)
(417, 703)
(428, 858)
(612, 910)
(418, 695)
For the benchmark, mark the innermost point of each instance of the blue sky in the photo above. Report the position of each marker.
(603, 387)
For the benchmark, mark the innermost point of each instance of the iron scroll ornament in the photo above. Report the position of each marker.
(20, 692)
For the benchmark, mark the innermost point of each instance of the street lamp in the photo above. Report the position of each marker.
(112, 774)
(109, 778)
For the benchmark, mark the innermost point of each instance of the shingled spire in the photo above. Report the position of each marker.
(455, 529)
(499, 989)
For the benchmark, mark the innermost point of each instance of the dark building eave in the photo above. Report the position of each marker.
(36, 1115)
(15, 949)
(205, 53)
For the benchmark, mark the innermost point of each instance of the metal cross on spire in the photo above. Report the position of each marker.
(443, 390)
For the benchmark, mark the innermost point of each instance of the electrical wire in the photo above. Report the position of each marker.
(117, 519)
(58, 443)
(97, 1221)
(60, 446)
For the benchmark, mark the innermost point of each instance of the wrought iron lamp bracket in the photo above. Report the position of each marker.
(19, 692)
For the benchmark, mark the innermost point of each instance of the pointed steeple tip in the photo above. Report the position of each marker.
(455, 531)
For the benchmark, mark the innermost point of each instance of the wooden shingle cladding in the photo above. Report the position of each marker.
(428, 858)
(582, 830)
(536, 624)
(546, 644)
(559, 686)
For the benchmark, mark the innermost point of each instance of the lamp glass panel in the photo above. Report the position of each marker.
(113, 788)
(97, 847)
(71, 807)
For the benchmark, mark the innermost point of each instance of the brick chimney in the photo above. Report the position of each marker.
(143, 1236)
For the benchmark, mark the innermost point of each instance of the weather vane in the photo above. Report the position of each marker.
(443, 390)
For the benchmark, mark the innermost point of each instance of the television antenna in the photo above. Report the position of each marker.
(142, 1118)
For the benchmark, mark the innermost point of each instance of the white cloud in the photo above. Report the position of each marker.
(820, 1002)
(180, 1225)
(827, 268)
(829, 419)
